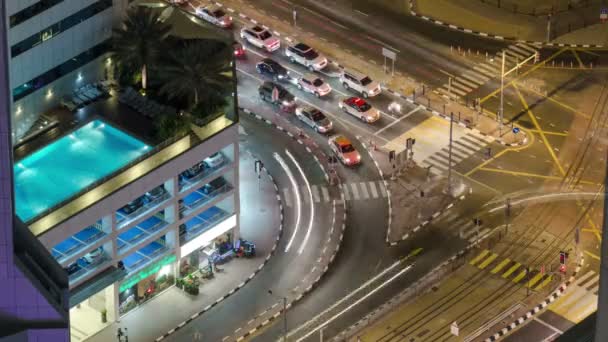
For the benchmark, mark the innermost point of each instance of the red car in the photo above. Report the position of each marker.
(239, 51)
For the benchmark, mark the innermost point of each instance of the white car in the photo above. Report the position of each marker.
(260, 37)
(314, 85)
(214, 160)
(215, 16)
(314, 118)
(360, 83)
(94, 256)
(303, 54)
(359, 108)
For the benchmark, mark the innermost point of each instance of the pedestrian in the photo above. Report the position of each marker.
(119, 334)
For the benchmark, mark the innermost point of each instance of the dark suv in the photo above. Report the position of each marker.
(214, 185)
(284, 99)
(273, 69)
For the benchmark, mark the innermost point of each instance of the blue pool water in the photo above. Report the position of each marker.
(69, 164)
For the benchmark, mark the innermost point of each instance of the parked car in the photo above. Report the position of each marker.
(134, 205)
(94, 256)
(214, 15)
(193, 171)
(273, 69)
(313, 84)
(305, 55)
(344, 150)
(260, 37)
(156, 193)
(214, 185)
(314, 118)
(214, 160)
(72, 268)
(360, 83)
(282, 97)
(359, 108)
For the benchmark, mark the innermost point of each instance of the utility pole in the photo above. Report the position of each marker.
(284, 319)
(321, 334)
(295, 17)
(450, 86)
(450, 154)
(549, 28)
(502, 86)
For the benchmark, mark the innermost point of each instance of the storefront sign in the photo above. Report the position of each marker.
(148, 271)
(207, 237)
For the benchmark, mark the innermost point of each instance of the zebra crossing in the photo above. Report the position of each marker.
(512, 270)
(580, 300)
(352, 191)
(473, 78)
(462, 148)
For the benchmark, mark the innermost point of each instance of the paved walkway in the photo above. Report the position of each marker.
(501, 21)
(260, 221)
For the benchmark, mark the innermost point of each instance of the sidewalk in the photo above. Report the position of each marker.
(508, 21)
(260, 221)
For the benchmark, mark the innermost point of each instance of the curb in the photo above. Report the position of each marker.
(242, 284)
(314, 268)
(492, 36)
(532, 312)
(423, 223)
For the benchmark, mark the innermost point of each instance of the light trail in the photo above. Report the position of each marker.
(312, 203)
(296, 191)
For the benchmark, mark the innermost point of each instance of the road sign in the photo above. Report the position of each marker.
(515, 130)
(390, 54)
(604, 15)
(454, 329)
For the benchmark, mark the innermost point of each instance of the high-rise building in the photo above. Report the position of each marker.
(118, 211)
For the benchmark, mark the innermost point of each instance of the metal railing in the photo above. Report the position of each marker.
(186, 209)
(189, 183)
(202, 227)
(141, 210)
(144, 232)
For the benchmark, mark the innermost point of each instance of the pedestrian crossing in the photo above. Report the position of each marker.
(462, 148)
(473, 78)
(352, 191)
(580, 299)
(511, 270)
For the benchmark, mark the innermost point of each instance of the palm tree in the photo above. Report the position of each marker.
(196, 70)
(138, 43)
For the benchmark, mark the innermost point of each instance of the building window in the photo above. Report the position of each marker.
(59, 27)
(32, 11)
(60, 70)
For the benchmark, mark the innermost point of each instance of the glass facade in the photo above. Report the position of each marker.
(61, 26)
(32, 11)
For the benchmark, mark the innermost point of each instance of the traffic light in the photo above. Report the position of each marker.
(536, 57)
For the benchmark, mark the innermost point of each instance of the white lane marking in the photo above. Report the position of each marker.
(548, 325)
(382, 189)
(446, 73)
(325, 18)
(315, 193)
(287, 195)
(364, 192)
(369, 294)
(355, 190)
(312, 207)
(294, 185)
(367, 283)
(382, 43)
(396, 121)
(346, 192)
(326, 197)
(304, 189)
(372, 187)
(365, 14)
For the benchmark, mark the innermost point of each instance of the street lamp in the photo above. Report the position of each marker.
(284, 314)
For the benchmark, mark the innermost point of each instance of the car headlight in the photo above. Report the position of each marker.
(286, 103)
(358, 157)
(281, 76)
(347, 160)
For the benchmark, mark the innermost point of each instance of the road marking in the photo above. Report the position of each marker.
(365, 14)
(325, 193)
(520, 276)
(534, 280)
(548, 325)
(383, 189)
(294, 184)
(487, 261)
(382, 43)
(500, 266)
(355, 190)
(372, 187)
(511, 270)
(312, 207)
(346, 192)
(287, 195)
(544, 283)
(325, 18)
(364, 192)
(445, 72)
(479, 257)
(396, 121)
(315, 193)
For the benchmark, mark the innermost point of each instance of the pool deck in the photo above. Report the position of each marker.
(110, 110)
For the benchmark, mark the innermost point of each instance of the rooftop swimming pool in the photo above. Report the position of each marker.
(66, 166)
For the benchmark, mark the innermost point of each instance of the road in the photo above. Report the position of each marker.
(364, 253)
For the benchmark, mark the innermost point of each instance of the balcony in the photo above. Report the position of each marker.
(78, 242)
(144, 256)
(201, 223)
(93, 261)
(189, 179)
(141, 206)
(139, 233)
(199, 198)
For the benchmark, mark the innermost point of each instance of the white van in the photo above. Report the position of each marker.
(360, 83)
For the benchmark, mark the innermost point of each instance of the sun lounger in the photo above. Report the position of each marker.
(67, 103)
